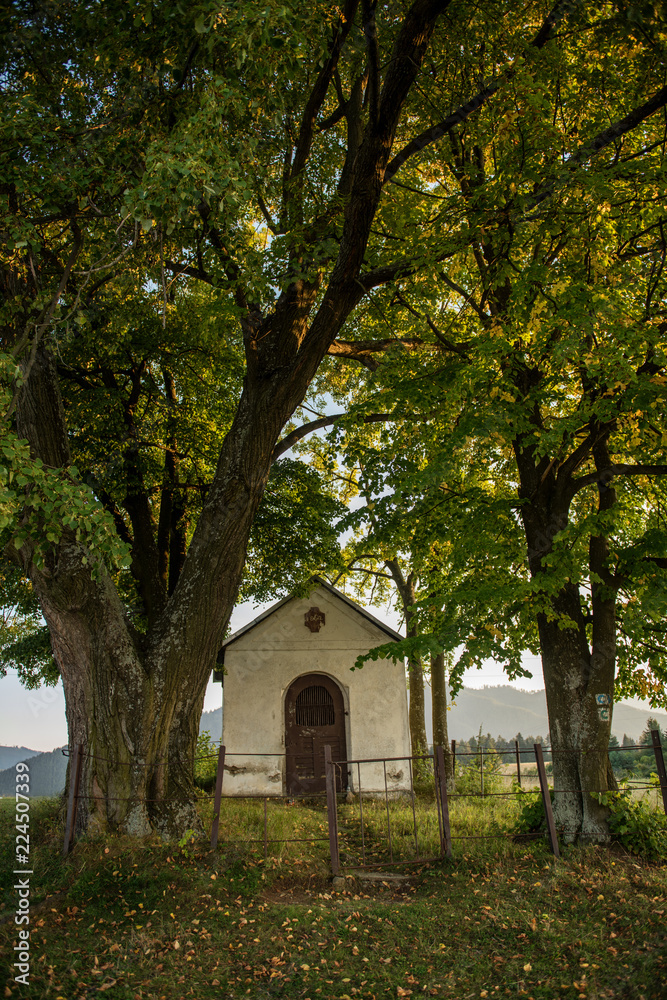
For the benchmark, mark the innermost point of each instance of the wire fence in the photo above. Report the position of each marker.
(377, 811)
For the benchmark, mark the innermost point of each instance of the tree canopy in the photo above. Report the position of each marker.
(200, 205)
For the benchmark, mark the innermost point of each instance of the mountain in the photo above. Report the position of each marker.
(9, 756)
(505, 711)
(47, 774)
(502, 711)
(213, 722)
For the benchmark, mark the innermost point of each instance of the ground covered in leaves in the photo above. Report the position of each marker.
(154, 922)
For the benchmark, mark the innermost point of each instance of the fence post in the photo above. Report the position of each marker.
(332, 817)
(518, 762)
(546, 799)
(481, 769)
(660, 764)
(218, 797)
(445, 834)
(73, 799)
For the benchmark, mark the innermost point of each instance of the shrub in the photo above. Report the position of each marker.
(531, 819)
(467, 776)
(636, 824)
(206, 762)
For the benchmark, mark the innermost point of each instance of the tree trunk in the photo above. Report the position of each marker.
(579, 731)
(138, 732)
(418, 736)
(577, 682)
(134, 700)
(439, 711)
(417, 711)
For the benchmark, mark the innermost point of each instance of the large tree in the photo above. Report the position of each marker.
(547, 331)
(193, 127)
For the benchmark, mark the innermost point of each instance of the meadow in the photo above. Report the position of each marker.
(502, 918)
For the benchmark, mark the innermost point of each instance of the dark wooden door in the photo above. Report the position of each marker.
(314, 717)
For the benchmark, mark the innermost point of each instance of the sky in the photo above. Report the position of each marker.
(36, 719)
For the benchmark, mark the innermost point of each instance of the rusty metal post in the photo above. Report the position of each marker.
(445, 836)
(361, 815)
(660, 764)
(332, 815)
(518, 762)
(436, 792)
(454, 760)
(386, 802)
(218, 797)
(414, 814)
(546, 799)
(481, 769)
(73, 799)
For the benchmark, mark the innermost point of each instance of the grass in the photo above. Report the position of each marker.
(502, 919)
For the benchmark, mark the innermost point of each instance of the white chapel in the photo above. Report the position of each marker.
(289, 690)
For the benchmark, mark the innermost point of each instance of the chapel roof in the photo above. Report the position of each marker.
(319, 582)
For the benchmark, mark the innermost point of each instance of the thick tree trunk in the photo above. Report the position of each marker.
(134, 700)
(580, 728)
(439, 711)
(579, 685)
(137, 772)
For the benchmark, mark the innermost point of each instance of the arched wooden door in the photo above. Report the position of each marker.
(314, 717)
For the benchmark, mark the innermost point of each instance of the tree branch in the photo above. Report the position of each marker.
(267, 215)
(363, 351)
(574, 460)
(319, 91)
(604, 476)
(600, 141)
(436, 132)
(313, 425)
(370, 32)
(656, 561)
(43, 322)
(191, 272)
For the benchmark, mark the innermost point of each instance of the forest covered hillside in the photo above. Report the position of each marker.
(47, 774)
(9, 756)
